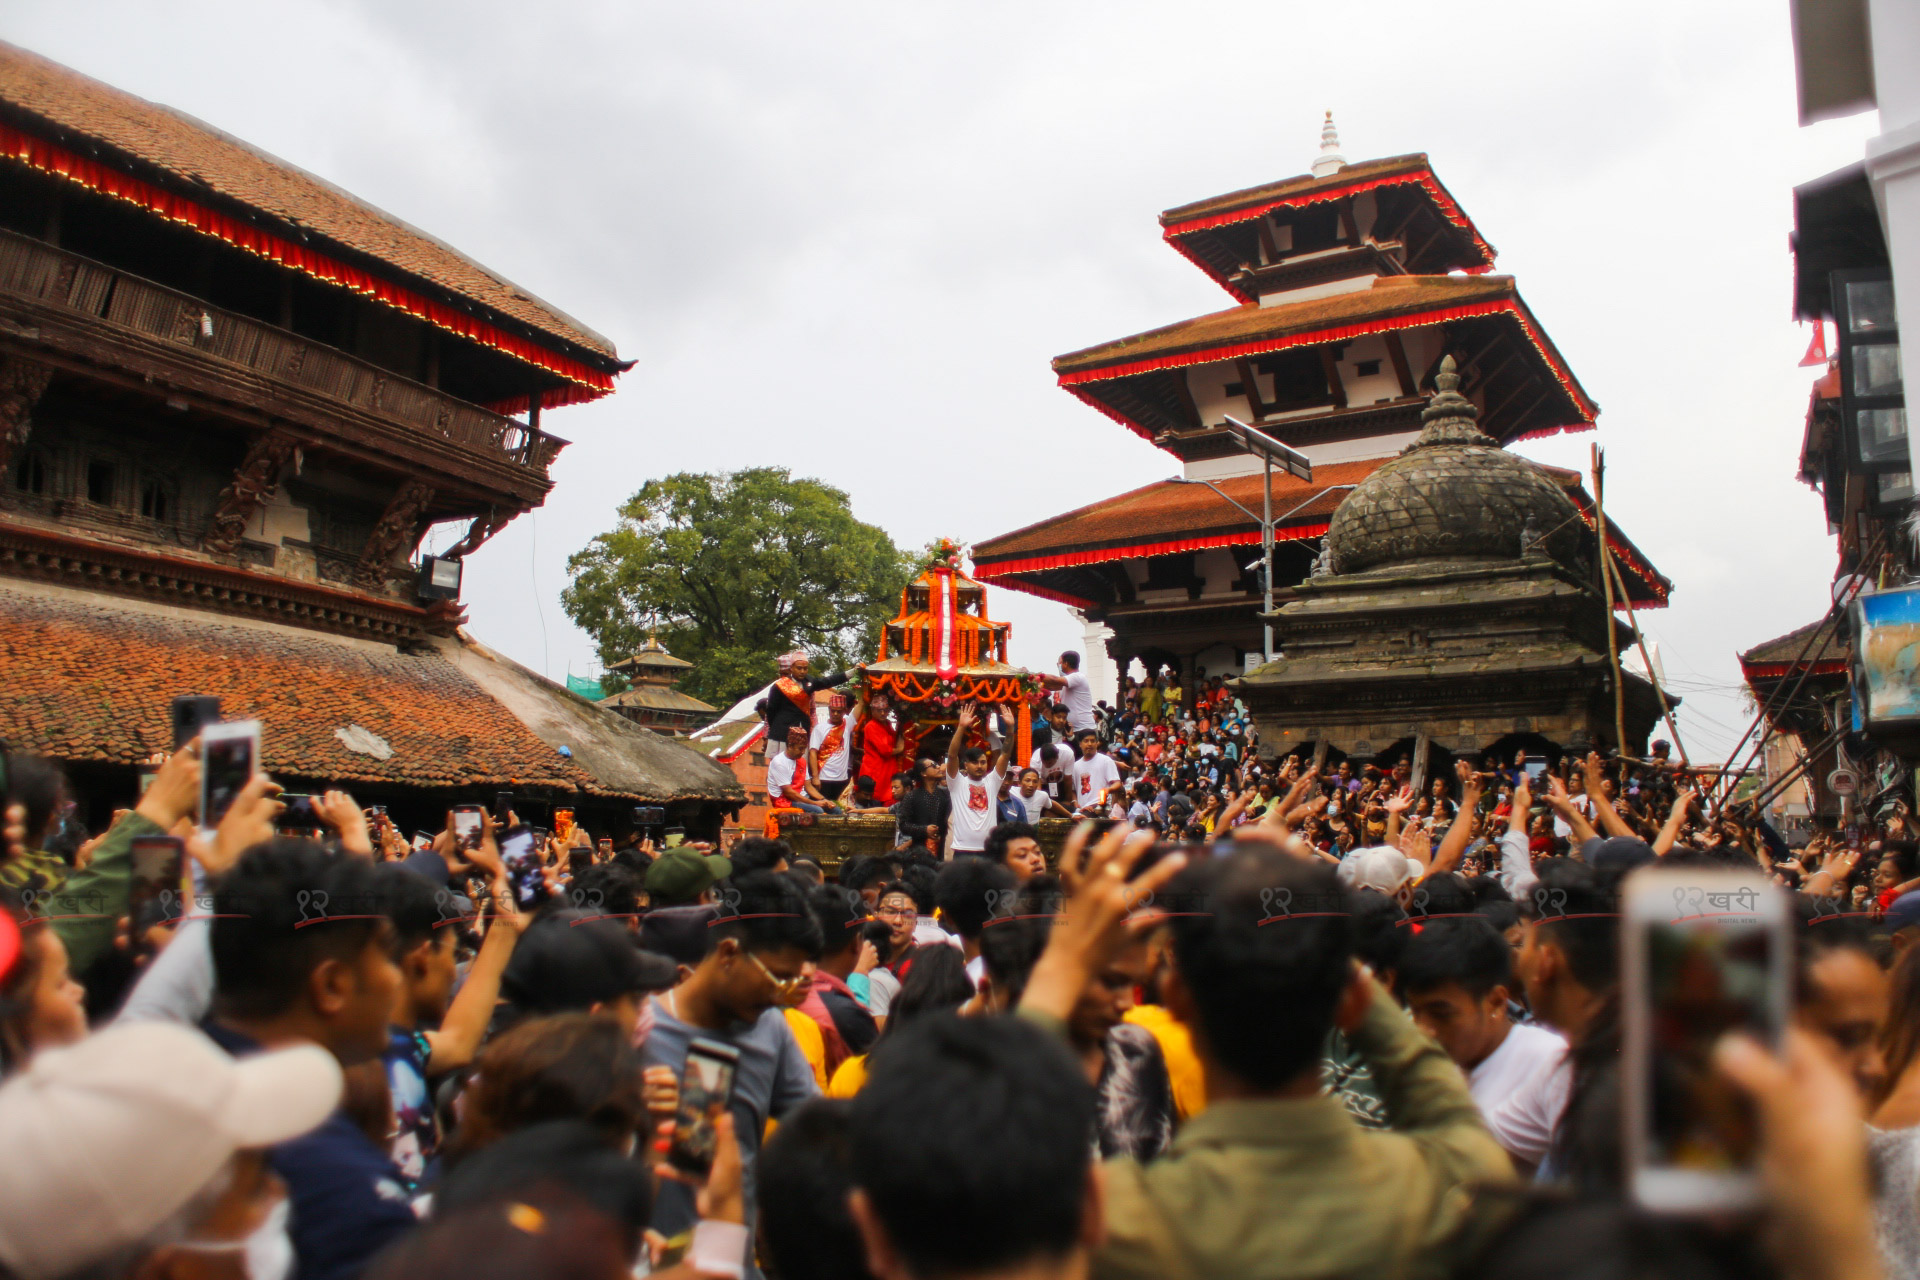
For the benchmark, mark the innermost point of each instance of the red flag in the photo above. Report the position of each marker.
(1817, 349)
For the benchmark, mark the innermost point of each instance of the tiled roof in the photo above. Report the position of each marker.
(1167, 509)
(1390, 296)
(655, 698)
(1300, 184)
(1791, 648)
(202, 161)
(91, 680)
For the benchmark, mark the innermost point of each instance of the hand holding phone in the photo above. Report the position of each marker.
(468, 822)
(706, 1088)
(520, 854)
(229, 757)
(1704, 952)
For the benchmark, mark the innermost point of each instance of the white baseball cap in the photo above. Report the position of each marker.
(103, 1141)
(1381, 867)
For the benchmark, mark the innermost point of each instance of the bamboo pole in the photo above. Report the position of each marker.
(1666, 711)
(1606, 590)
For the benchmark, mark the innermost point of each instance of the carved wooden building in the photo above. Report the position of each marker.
(232, 400)
(1351, 284)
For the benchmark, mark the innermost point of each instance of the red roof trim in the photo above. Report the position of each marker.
(1424, 179)
(1045, 593)
(1341, 333)
(1639, 567)
(740, 748)
(1224, 282)
(37, 153)
(1777, 670)
(1065, 559)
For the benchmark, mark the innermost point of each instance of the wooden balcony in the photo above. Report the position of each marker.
(106, 319)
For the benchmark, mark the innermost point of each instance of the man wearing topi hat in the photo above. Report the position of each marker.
(790, 701)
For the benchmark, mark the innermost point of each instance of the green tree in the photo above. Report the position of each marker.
(734, 569)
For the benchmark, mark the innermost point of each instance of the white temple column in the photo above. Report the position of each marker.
(1102, 676)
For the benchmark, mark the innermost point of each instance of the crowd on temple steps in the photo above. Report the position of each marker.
(340, 1052)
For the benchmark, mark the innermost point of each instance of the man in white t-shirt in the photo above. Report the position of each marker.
(788, 786)
(1034, 798)
(1456, 975)
(831, 748)
(973, 781)
(1093, 774)
(1075, 692)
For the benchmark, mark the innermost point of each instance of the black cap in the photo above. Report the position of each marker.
(1617, 853)
(573, 960)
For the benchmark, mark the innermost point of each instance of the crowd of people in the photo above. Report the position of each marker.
(1256, 1017)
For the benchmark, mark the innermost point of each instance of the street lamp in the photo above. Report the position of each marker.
(1271, 451)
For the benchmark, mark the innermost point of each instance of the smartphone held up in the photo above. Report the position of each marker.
(229, 757)
(1704, 953)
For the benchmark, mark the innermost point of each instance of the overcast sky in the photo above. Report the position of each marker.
(846, 238)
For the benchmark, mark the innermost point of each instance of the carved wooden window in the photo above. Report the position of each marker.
(102, 482)
(30, 473)
(157, 501)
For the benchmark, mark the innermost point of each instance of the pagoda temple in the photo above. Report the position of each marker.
(1352, 283)
(233, 400)
(650, 700)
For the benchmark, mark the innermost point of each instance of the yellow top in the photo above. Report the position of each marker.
(813, 1043)
(1176, 1046)
(849, 1079)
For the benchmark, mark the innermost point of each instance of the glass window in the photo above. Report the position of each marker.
(1870, 306)
(1883, 434)
(1876, 369)
(1895, 486)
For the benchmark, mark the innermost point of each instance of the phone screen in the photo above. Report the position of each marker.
(467, 826)
(1718, 965)
(706, 1086)
(227, 764)
(1536, 769)
(155, 893)
(521, 857)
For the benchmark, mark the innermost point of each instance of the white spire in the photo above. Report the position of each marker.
(1329, 161)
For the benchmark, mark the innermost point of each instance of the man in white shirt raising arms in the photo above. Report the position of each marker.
(973, 781)
(1075, 692)
(1455, 975)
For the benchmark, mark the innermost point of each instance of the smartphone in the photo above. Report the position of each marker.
(189, 714)
(229, 757)
(706, 1087)
(562, 823)
(521, 857)
(1703, 952)
(423, 839)
(1536, 767)
(502, 804)
(469, 824)
(299, 812)
(156, 892)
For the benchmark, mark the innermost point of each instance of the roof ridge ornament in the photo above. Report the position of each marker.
(1450, 418)
(1329, 161)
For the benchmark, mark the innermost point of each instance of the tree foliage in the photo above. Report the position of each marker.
(734, 569)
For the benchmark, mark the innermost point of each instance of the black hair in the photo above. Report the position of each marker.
(917, 882)
(1445, 894)
(419, 911)
(969, 891)
(757, 853)
(861, 870)
(1265, 980)
(286, 906)
(840, 912)
(1905, 855)
(1466, 951)
(1071, 660)
(995, 848)
(607, 889)
(1575, 909)
(1501, 913)
(936, 982)
(804, 1174)
(767, 911)
(634, 860)
(568, 1153)
(1011, 943)
(967, 1123)
(972, 754)
(40, 786)
(1049, 753)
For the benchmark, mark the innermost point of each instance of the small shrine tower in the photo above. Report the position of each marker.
(652, 701)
